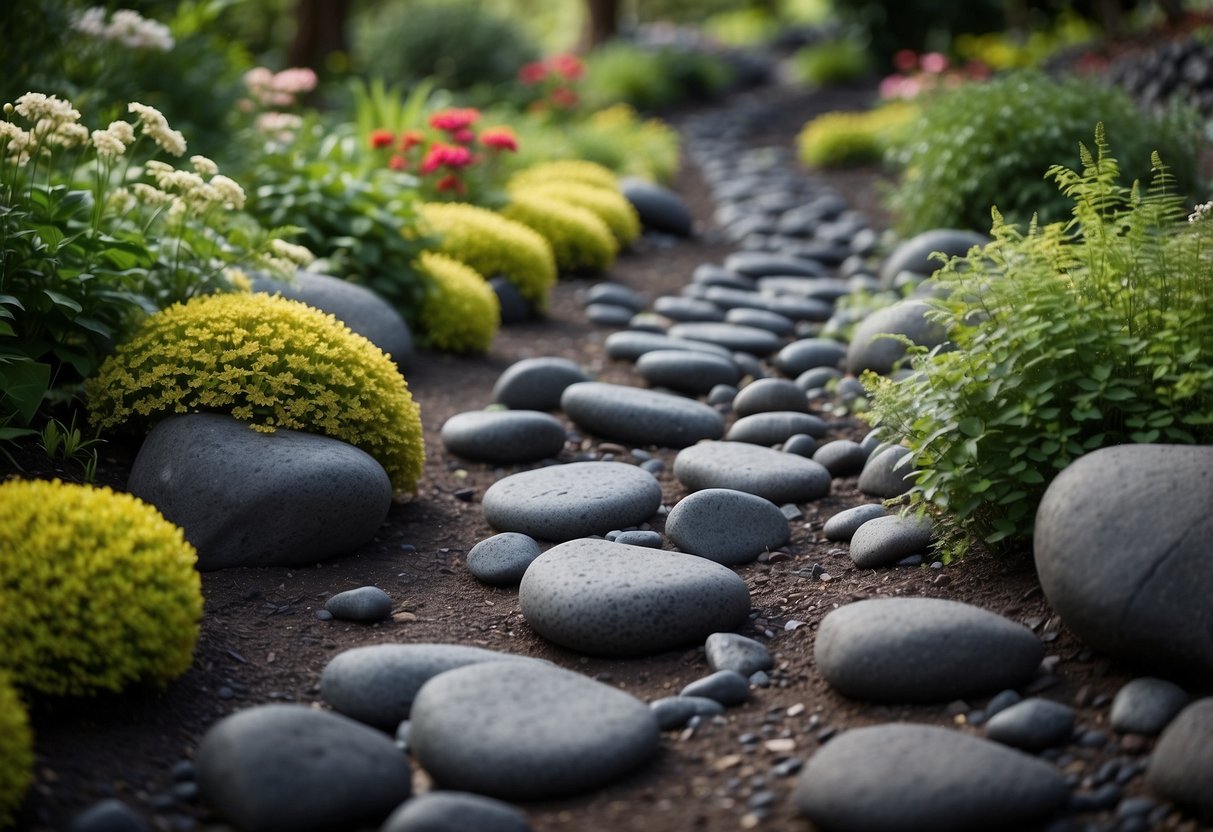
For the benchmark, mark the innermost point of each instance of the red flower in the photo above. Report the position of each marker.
(569, 66)
(410, 139)
(451, 182)
(499, 138)
(445, 155)
(906, 60)
(463, 136)
(454, 119)
(397, 162)
(533, 73)
(564, 97)
(382, 138)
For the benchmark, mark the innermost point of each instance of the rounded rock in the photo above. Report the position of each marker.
(536, 383)
(640, 417)
(675, 711)
(731, 651)
(807, 354)
(366, 604)
(684, 309)
(843, 525)
(733, 337)
(1181, 767)
(774, 427)
(456, 812)
(503, 437)
(768, 395)
(659, 209)
(728, 687)
(1032, 724)
(1146, 706)
(112, 815)
(501, 560)
(761, 319)
(726, 526)
(637, 537)
(800, 444)
(629, 345)
(842, 457)
(817, 378)
(693, 373)
(615, 294)
(882, 541)
(914, 254)
(773, 475)
(871, 350)
(886, 474)
(608, 314)
(761, 264)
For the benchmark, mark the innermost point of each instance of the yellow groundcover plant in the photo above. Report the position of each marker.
(580, 240)
(16, 752)
(460, 312)
(566, 170)
(272, 362)
(608, 204)
(97, 590)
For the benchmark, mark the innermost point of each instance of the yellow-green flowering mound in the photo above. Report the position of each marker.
(273, 362)
(493, 245)
(97, 589)
(608, 204)
(16, 752)
(566, 170)
(580, 240)
(845, 139)
(460, 312)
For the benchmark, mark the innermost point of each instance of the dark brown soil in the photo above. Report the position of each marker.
(261, 641)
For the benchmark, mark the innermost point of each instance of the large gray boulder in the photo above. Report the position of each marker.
(914, 255)
(871, 350)
(1181, 768)
(659, 209)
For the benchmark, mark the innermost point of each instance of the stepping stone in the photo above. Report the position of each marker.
(562, 502)
(366, 603)
(730, 651)
(882, 541)
(817, 378)
(514, 308)
(800, 444)
(885, 475)
(914, 255)
(770, 394)
(526, 731)
(659, 209)
(636, 416)
(678, 308)
(676, 711)
(536, 383)
(649, 322)
(291, 768)
(774, 427)
(362, 310)
(730, 336)
(608, 599)
(807, 354)
(1181, 767)
(615, 294)
(245, 498)
(728, 687)
(870, 350)
(774, 475)
(607, 314)
(726, 526)
(501, 560)
(629, 345)
(456, 812)
(1033, 724)
(376, 684)
(638, 537)
(693, 373)
(772, 322)
(503, 437)
(818, 288)
(842, 457)
(907, 650)
(906, 778)
(709, 274)
(843, 525)
(760, 264)
(1145, 510)
(1146, 706)
(112, 815)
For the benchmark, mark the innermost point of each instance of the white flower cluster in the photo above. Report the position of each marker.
(127, 28)
(284, 259)
(56, 123)
(113, 141)
(185, 190)
(1201, 211)
(155, 125)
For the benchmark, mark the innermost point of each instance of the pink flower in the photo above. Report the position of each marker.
(454, 119)
(533, 73)
(397, 162)
(564, 97)
(568, 66)
(464, 136)
(451, 182)
(499, 138)
(934, 62)
(445, 155)
(905, 60)
(296, 80)
(382, 138)
(410, 139)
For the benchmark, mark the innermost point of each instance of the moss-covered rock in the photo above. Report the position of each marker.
(460, 312)
(608, 204)
(97, 589)
(580, 240)
(273, 362)
(16, 752)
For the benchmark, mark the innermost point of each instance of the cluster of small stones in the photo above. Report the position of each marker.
(746, 384)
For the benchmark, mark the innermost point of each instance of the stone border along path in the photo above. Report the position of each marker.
(594, 579)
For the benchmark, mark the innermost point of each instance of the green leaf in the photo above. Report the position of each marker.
(1145, 436)
(23, 385)
(971, 426)
(63, 300)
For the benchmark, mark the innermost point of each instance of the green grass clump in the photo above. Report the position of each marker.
(460, 309)
(1063, 339)
(98, 590)
(987, 143)
(832, 62)
(580, 240)
(845, 139)
(16, 752)
(608, 204)
(272, 362)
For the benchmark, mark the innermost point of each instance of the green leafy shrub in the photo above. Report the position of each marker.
(920, 25)
(1066, 338)
(460, 309)
(649, 79)
(100, 591)
(844, 139)
(988, 143)
(615, 138)
(272, 362)
(494, 246)
(832, 62)
(580, 241)
(608, 204)
(16, 752)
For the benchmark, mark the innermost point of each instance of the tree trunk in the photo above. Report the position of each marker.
(602, 22)
(319, 32)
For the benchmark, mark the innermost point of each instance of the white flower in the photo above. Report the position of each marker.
(204, 165)
(122, 131)
(120, 200)
(148, 195)
(148, 116)
(229, 190)
(36, 107)
(69, 135)
(91, 22)
(289, 251)
(108, 145)
(18, 139)
(171, 140)
(1201, 212)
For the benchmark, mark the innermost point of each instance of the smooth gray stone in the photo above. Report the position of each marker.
(773, 322)
(501, 560)
(827, 289)
(113, 815)
(456, 812)
(615, 294)
(818, 378)
(915, 253)
(882, 476)
(807, 354)
(1145, 510)
(515, 309)
(366, 603)
(649, 322)
(1032, 724)
(694, 373)
(1181, 767)
(730, 336)
(728, 687)
(749, 365)
(722, 394)
(842, 457)
(649, 540)
(376, 684)
(678, 308)
(870, 350)
(1146, 706)
(536, 383)
(908, 650)
(562, 502)
(659, 209)
(798, 309)
(843, 525)
(637, 416)
(292, 768)
(527, 731)
(729, 527)
(608, 314)
(768, 395)
(629, 345)
(908, 778)
(882, 541)
(779, 477)
(800, 444)
(1000, 701)
(731, 651)
(676, 711)
(709, 274)
(359, 308)
(245, 498)
(774, 427)
(729, 298)
(758, 264)
(609, 599)
(503, 437)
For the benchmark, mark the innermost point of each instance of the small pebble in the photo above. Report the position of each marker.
(364, 604)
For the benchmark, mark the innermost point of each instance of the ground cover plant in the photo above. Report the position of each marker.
(845, 139)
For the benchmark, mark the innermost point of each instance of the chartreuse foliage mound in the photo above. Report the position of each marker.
(608, 204)
(565, 170)
(460, 309)
(844, 139)
(272, 362)
(1065, 338)
(16, 752)
(98, 590)
(580, 240)
(494, 246)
